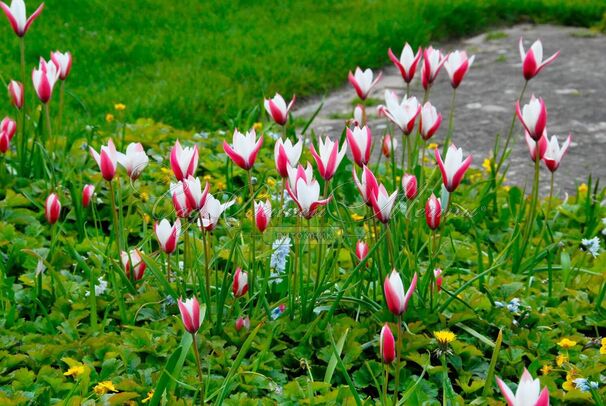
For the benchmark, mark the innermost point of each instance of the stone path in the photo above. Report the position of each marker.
(574, 89)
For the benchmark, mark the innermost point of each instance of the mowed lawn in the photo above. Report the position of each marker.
(196, 64)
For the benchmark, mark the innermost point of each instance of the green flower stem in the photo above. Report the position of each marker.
(509, 134)
(385, 384)
(49, 134)
(117, 282)
(450, 122)
(205, 241)
(23, 154)
(199, 365)
(398, 356)
(444, 379)
(533, 206)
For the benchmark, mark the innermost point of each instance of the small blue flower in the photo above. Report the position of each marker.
(281, 249)
(585, 385)
(592, 246)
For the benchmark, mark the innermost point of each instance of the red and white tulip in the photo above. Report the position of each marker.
(433, 212)
(179, 198)
(360, 141)
(183, 161)
(363, 82)
(533, 117)
(532, 61)
(387, 345)
(368, 186)
(382, 203)
(133, 260)
(528, 393)
(262, 214)
(430, 121)
(244, 148)
(454, 167)
(457, 65)
(328, 157)
(409, 185)
(294, 173)
(190, 314)
(107, 160)
(17, 16)
(403, 113)
(52, 208)
(554, 154)
(134, 160)
(397, 300)
(16, 93)
(87, 194)
(389, 145)
(44, 79)
(243, 323)
(8, 128)
(286, 153)
(437, 274)
(240, 283)
(532, 145)
(306, 193)
(168, 235)
(407, 64)
(195, 195)
(212, 211)
(63, 60)
(432, 63)
(361, 250)
(277, 108)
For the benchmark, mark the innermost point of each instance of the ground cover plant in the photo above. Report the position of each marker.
(264, 263)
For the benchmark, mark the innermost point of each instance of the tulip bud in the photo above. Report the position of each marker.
(361, 250)
(244, 148)
(277, 108)
(389, 145)
(533, 117)
(168, 235)
(183, 161)
(44, 79)
(190, 314)
(87, 194)
(243, 323)
(433, 211)
(240, 284)
(52, 208)
(532, 61)
(397, 300)
(8, 127)
(262, 215)
(363, 82)
(63, 60)
(15, 92)
(430, 121)
(409, 185)
(107, 160)
(387, 345)
(359, 141)
(133, 260)
(359, 115)
(432, 63)
(437, 274)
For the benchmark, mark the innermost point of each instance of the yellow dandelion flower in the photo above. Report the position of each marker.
(507, 188)
(603, 347)
(561, 360)
(221, 186)
(567, 343)
(445, 337)
(75, 371)
(568, 386)
(150, 395)
(546, 369)
(119, 107)
(263, 196)
(103, 387)
(207, 178)
(398, 179)
(432, 145)
(146, 218)
(239, 199)
(166, 171)
(144, 196)
(339, 232)
(257, 126)
(249, 214)
(109, 117)
(271, 182)
(356, 217)
(583, 188)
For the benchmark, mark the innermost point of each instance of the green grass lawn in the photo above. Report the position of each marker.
(196, 64)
